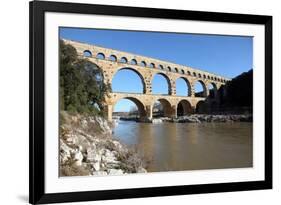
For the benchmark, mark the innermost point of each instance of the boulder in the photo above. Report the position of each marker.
(115, 171)
(99, 173)
(96, 166)
(77, 156)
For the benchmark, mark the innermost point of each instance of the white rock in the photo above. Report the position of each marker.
(78, 157)
(96, 166)
(99, 173)
(141, 170)
(157, 121)
(93, 156)
(115, 171)
(65, 152)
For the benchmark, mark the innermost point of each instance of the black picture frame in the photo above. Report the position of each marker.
(37, 9)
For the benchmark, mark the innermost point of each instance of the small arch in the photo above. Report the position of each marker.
(212, 78)
(182, 71)
(161, 67)
(134, 62)
(194, 74)
(208, 77)
(152, 65)
(184, 108)
(143, 64)
(169, 68)
(87, 54)
(123, 60)
(200, 89)
(100, 56)
(199, 75)
(113, 58)
(188, 72)
(176, 69)
(204, 76)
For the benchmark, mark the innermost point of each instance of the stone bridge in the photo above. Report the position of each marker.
(111, 61)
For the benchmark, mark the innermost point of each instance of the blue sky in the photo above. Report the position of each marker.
(228, 56)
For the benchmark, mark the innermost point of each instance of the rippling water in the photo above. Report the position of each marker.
(190, 146)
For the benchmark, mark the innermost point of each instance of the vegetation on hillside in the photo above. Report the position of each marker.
(82, 89)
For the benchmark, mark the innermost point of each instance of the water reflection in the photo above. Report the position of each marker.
(189, 146)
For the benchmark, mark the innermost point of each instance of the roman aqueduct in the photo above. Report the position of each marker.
(111, 61)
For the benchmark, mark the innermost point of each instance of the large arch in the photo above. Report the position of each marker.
(188, 87)
(198, 92)
(201, 107)
(140, 106)
(136, 72)
(212, 90)
(184, 108)
(167, 107)
(169, 87)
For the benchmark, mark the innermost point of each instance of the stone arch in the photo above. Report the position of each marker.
(138, 103)
(87, 53)
(176, 69)
(188, 85)
(100, 56)
(202, 93)
(201, 107)
(112, 58)
(123, 60)
(167, 79)
(161, 67)
(184, 108)
(212, 90)
(134, 62)
(152, 65)
(167, 107)
(135, 71)
(182, 71)
(143, 63)
(169, 68)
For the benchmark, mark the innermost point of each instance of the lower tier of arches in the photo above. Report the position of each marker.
(172, 106)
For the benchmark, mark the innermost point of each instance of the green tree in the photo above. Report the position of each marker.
(82, 88)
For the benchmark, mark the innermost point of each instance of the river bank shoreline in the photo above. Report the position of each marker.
(194, 118)
(87, 148)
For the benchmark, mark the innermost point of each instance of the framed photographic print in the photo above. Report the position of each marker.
(140, 102)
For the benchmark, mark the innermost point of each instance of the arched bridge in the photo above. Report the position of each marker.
(111, 61)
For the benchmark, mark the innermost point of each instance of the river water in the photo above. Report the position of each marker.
(189, 146)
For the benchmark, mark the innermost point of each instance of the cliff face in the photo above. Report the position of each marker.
(239, 91)
(87, 148)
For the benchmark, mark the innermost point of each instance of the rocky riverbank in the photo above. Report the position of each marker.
(87, 148)
(197, 118)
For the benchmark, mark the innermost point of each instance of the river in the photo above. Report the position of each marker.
(189, 146)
